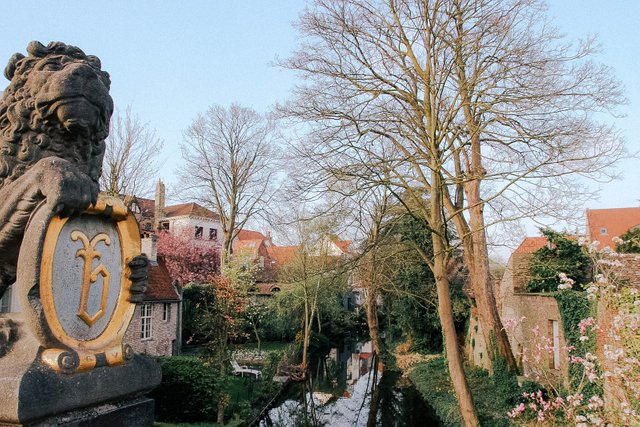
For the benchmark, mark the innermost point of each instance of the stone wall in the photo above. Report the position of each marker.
(535, 312)
(163, 341)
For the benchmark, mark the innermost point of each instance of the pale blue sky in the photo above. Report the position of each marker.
(170, 60)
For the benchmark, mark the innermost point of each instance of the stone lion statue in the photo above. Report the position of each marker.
(54, 118)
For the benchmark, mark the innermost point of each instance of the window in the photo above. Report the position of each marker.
(199, 231)
(213, 234)
(554, 333)
(5, 302)
(166, 312)
(146, 317)
(603, 231)
(164, 226)
(261, 262)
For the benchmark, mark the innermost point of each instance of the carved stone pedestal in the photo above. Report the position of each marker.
(34, 394)
(63, 358)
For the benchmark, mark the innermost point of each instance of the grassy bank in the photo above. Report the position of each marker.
(493, 396)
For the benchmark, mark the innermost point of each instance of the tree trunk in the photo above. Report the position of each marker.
(475, 245)
(454, 357)
(372, 320)
(221, 406)
(305, 338)
(371, 302)
(493, 331)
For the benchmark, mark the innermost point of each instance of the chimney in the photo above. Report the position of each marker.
(159, 204)
(150, 248)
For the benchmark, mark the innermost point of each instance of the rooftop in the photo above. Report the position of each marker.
(531, 244)
(160, 286)
(605, 224)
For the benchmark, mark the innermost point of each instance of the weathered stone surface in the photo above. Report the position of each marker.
(31, 391)
(54, 117)
(130, 413)
(62, 360)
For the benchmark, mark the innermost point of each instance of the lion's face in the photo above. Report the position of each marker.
(72, 92)
(57, 104)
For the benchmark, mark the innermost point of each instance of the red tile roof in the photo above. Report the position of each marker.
(250, 244)
(614, 222)
(531, 244)
(160, 286)
(282, 254)
(343, 245)
(250, 235)
(191, 209)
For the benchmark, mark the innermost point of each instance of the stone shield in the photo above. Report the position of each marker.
(75, 288)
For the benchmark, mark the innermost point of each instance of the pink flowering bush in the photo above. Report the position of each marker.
(607, 391)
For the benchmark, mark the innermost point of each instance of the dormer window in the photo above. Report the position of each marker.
(603, 231)
(135, 208)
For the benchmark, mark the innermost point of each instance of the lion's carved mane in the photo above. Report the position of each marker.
(54, 118)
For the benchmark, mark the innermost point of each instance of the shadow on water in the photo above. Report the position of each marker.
(348, 387)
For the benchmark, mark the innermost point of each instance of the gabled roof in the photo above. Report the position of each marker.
(190, 209)
(282, 254)
(343, 245)
(247, 244)
(604, 224)
(250, 235)
(160, 286)
(531, 244)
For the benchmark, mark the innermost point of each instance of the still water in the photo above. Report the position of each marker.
(348, 387)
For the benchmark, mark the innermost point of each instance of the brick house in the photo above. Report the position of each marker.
(155, 328)
(271, 259)
(199, 224)
(541, 309)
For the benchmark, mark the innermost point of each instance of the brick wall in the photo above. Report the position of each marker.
(163, 332)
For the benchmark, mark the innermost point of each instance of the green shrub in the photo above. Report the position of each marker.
(566, 256)
(188, 391)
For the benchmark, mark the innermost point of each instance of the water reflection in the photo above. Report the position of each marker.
(349, 387)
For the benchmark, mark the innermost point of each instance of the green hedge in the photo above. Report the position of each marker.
(188, 391)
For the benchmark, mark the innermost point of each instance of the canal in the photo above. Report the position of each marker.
(349, 387)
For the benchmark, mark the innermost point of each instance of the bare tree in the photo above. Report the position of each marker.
(230, 166)
(473, 103)
(131, 157)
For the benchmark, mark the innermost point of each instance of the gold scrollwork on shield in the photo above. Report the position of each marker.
(89, 276)
(69, 353)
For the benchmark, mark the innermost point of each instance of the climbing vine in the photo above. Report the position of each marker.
(574, 308)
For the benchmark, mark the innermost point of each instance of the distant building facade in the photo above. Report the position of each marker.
(156, 326)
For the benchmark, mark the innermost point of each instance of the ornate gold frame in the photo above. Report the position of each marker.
(110, 342)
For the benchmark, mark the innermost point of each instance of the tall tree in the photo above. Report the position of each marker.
(475, 103)
(131, 156)
(230, 165)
